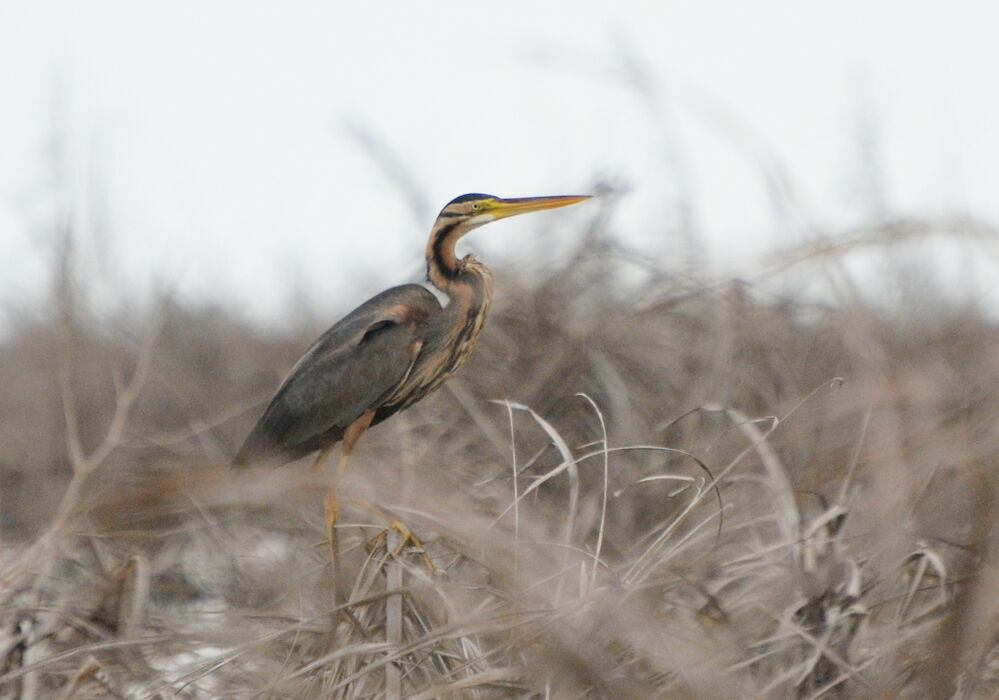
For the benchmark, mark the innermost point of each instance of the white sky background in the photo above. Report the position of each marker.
(210, 142)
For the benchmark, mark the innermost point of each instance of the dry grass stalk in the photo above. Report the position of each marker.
(672, 495)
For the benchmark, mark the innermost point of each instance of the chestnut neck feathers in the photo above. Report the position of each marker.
(462, 279)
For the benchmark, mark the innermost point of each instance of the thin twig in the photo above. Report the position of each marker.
(393, 612)
(604, 490)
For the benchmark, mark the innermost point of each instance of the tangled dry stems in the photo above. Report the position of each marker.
(677, 492)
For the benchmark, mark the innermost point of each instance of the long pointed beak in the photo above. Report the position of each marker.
(502, 208)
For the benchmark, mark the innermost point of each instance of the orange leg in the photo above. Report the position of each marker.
(331, 504)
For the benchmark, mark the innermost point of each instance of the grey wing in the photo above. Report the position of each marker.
(352, 368)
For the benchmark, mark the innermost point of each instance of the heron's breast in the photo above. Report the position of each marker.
(439, 360)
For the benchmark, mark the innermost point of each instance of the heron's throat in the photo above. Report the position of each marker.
(467, 283)
(443, 266)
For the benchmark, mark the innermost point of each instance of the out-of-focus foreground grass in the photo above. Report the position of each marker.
(681, 490)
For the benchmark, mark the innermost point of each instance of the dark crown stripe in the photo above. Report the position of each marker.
(470, 197)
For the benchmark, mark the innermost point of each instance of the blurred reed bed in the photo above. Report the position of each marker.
(672, 489)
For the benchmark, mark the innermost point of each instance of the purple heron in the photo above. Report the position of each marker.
(389, 352)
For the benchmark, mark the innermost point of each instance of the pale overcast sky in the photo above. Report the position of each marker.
(214, 142)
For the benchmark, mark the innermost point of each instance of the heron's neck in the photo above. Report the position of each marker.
(443, 266)
(467, 283)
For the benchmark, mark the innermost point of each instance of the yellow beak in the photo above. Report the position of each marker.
(502, 208)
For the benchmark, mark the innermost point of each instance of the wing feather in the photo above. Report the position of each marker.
(351, 368)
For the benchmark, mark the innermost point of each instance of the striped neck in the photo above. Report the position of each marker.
(464, 280)
(443, 267)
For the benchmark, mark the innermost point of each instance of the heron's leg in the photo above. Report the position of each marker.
(331, 503)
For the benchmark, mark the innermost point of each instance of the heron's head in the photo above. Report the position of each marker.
(470, 211)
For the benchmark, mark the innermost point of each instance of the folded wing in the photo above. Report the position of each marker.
(353, 367)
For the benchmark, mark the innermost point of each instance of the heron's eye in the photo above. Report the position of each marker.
(475, 206)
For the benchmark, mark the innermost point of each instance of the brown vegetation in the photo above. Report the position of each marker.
(681, 490)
